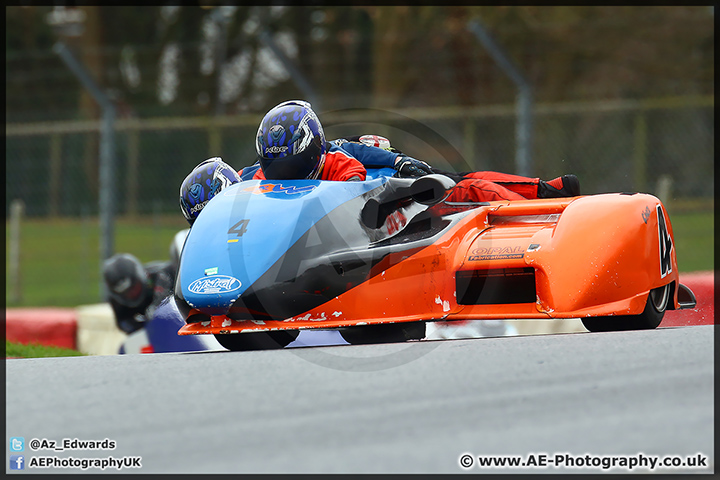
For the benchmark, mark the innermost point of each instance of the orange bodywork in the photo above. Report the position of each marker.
(594, 255)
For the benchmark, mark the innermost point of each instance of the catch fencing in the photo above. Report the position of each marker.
(660, 146)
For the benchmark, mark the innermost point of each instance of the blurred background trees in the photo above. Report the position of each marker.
(623, 97)
(190, 82)
(189, 60)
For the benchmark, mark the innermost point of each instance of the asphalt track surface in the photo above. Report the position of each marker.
(396, 408)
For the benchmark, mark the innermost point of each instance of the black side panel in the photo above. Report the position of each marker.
(498, 286)
(334, 256)
(329, 259)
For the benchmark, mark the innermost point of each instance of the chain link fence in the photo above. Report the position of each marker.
(664, 147)
(612, 146)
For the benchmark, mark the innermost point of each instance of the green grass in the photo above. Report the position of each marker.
(37, 351)
(60, 258)
(694, 240)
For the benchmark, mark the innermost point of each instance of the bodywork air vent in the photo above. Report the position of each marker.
(495, 286)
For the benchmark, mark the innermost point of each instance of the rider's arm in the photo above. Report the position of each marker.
(341, 166)
(376, 157)
(369, 156)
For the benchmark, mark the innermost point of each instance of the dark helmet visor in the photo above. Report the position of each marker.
(292, 167)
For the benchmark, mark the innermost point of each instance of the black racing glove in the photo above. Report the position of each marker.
(408, 167)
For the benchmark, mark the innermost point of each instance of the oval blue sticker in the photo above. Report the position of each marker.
(214, 284)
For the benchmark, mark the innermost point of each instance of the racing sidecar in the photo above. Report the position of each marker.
(379, 258)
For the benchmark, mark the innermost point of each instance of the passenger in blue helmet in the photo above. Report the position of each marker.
(205, 181)
(290, 142)
(290, 145)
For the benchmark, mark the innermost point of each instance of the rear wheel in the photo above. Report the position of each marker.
(238, 342)
(384, 333)
(650, 318)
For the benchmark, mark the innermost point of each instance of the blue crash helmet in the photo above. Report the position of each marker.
(203, 183)
(290, 142)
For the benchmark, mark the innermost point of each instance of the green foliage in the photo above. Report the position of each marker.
(694, 240)
(60, 258)
(390, 56)
(34, 350)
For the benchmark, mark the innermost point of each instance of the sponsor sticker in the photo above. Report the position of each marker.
(496, 253)
(646, 214)
(276, 149)
(279, 188)
(198, 207)
(214, 285)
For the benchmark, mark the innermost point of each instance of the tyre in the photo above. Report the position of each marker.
(650, 318)
(238, 342)
(383, 333)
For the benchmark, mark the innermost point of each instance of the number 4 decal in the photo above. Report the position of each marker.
(239, 228)
(666, 244)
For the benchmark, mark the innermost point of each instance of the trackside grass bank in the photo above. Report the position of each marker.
(18, 350)
(60, 258)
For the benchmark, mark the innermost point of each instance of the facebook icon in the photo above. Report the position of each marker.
(17, 462)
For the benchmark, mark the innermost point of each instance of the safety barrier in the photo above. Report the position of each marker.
(45, 326)
(91, 328)
(703, 286)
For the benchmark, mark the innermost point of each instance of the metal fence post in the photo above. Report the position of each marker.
(133, 164)
(55, 173)
(298, 78)
(469, 147)
(106, 201)
(214, 141)
(523, 129)
(640, 152)
(17, 208)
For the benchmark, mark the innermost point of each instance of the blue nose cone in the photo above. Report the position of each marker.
(248, 227)
(213, 294)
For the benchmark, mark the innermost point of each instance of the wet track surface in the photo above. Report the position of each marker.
(412, 408)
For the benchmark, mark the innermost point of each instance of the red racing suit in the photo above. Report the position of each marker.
(490, 186)
(343, 161)
(346, 159)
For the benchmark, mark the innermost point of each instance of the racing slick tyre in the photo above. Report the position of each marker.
(383, 333)
(238, 342)
(650, 318)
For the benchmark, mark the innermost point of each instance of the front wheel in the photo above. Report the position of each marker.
(238, 342)
(384, 333)
(650, 318)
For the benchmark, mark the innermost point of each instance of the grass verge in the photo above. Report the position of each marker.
(60, 266)
(34, 350)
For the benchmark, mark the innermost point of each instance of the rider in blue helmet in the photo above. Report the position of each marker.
(291, 144)
(204, 182)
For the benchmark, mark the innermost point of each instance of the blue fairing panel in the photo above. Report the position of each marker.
(247, 228)
(380, 172)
